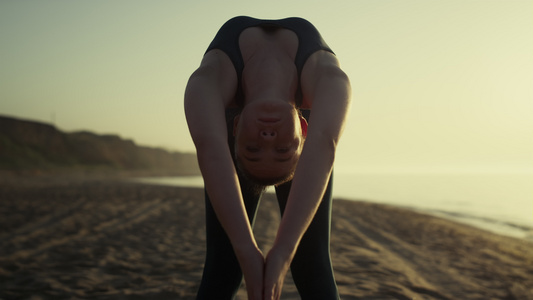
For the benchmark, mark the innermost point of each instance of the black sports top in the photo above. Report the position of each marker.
(227, 40)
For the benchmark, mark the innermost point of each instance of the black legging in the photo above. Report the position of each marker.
(311, 267)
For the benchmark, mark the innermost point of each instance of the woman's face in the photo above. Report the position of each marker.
(268, 137)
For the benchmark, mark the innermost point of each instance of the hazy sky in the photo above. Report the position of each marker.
(438, 85)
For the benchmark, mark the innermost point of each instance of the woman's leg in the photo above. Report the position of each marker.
(222, 274)
(311, 267)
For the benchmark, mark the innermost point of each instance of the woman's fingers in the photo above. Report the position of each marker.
(276, 268)
(252, 265)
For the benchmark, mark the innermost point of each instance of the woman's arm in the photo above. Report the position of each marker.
(208, 92)
(327, 88)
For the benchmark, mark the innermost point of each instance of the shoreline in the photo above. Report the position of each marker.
(114, 239)
(494, 225)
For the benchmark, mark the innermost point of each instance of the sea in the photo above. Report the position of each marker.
(497, 202)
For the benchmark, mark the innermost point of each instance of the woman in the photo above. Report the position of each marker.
(268, 71)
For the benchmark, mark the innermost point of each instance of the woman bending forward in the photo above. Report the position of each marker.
(267, 107)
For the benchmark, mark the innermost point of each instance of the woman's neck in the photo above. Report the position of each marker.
(269, 69)
(269, 76)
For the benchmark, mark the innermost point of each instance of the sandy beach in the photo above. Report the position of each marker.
(113, 239)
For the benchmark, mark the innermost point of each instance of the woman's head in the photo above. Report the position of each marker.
(269, 136)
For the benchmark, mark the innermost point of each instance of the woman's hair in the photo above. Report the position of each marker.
(262, 181)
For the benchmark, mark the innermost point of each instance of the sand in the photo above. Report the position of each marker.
(67, 238)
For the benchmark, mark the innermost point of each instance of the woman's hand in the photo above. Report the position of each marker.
(252, 265)
(276, 266)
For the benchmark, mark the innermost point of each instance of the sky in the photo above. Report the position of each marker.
(438, 86)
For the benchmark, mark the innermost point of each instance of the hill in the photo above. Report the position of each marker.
(30, 145)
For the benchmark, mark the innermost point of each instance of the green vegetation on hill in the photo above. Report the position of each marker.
(29, 145)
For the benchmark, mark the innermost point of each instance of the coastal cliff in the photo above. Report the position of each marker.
(31, 145)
